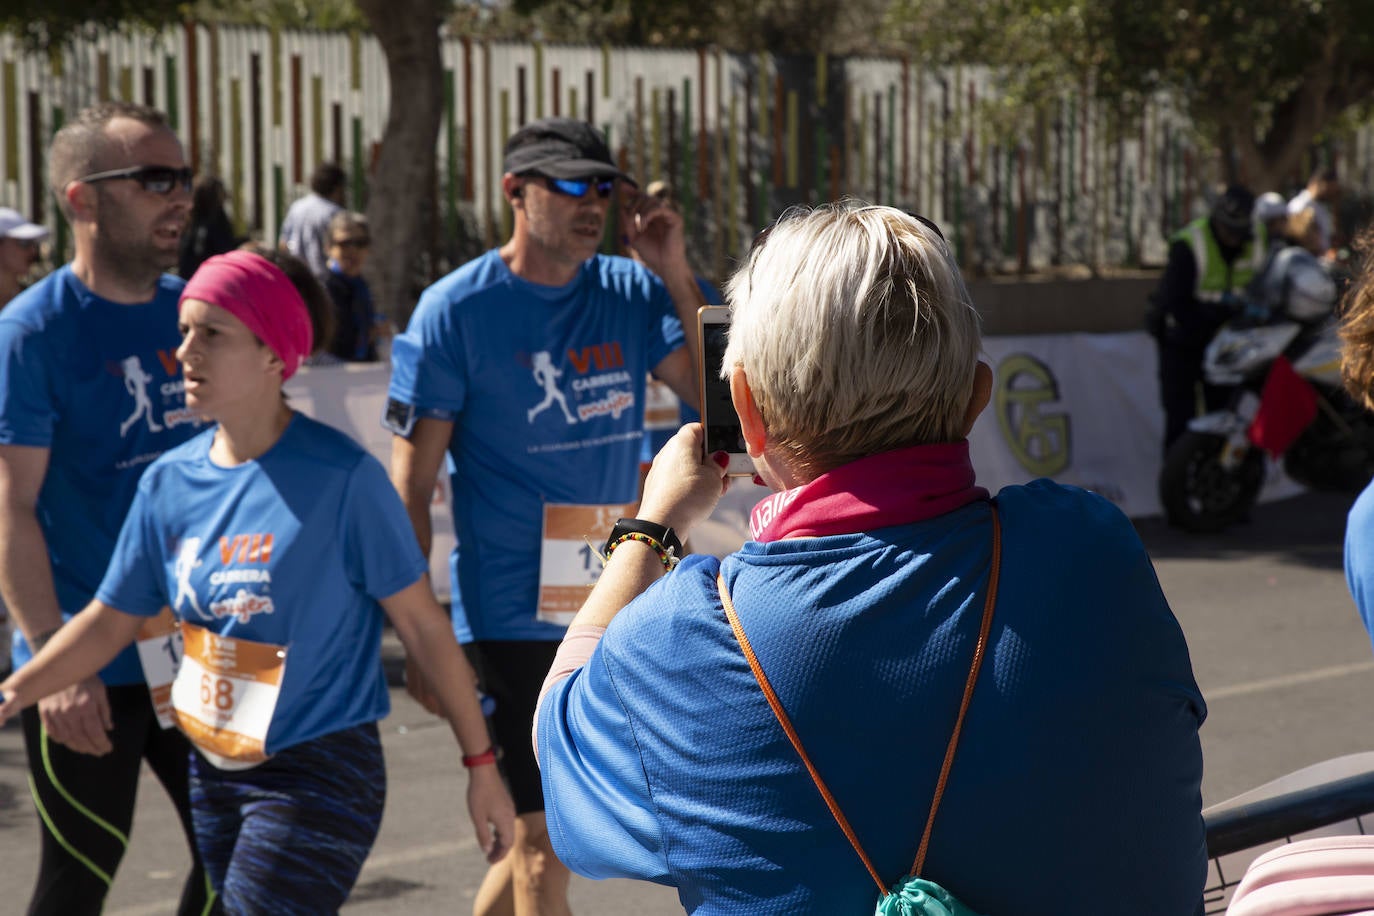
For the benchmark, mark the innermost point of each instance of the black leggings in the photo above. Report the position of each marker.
(86, 805)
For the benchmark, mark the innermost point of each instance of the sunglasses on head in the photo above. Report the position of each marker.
(157, 179)
(361, 242)
(578, 187)
(766, 230)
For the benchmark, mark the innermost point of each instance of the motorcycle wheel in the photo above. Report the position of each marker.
(1200, 495)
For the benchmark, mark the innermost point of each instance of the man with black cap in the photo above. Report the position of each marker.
(1211, 260)
(527, 366)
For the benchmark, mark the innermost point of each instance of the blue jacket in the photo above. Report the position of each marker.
(1076, 781)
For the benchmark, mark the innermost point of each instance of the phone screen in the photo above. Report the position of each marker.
(718, 412)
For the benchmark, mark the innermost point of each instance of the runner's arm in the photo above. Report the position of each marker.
(25, 575)
(687, 299)
(415, 462)
(427, 635)
(655, 231)
(81, 648)
(678, 371)
(78, 716)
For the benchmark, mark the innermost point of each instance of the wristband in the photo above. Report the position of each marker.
(665, 554)
(42, 639)
(482, 759)
(666, 538)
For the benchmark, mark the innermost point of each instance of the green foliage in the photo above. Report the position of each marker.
(282, 14)
(780, 26)
(44, 24)
(1257, 76)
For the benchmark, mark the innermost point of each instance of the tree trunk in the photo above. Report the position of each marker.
(401, 203)
(1331, 84)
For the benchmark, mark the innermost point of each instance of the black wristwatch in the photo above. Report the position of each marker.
(665, 536)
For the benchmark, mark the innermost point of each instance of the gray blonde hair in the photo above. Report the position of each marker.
(856, 332)
(345, 220)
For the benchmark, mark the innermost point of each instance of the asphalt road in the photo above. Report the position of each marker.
(1277, 647)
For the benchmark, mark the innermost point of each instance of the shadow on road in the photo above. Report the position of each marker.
(382, 889)
(1306, 530)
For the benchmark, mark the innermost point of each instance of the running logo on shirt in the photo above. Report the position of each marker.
(239, 589)
(601, 386)
(188, 558)
(138, 382)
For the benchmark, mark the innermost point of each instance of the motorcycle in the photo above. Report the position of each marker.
(1282, 355)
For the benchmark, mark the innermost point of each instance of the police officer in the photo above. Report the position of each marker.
(1211, 259)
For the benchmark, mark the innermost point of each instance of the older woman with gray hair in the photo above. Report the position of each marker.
(899, 682)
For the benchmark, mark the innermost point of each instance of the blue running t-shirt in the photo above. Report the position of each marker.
(98, 384)
(293, 549)
(545, 387)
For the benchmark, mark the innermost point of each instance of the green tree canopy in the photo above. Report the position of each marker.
(1262, 79)
(48, 23)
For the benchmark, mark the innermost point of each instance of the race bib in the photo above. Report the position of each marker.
(225, 695)
(568, 565)
(159, 651)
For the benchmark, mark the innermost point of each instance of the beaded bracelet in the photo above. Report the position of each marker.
(482, 759)
(665, 554)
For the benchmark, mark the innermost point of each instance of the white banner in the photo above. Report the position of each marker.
(1082, 409)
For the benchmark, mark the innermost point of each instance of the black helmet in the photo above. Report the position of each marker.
(1233, 211)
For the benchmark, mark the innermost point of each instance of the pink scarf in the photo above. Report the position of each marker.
(891, 488)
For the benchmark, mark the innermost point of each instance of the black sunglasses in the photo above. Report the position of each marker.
(158, 179)
(363, 242)
(578, 187)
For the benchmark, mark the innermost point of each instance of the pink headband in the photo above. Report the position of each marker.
(256, 292)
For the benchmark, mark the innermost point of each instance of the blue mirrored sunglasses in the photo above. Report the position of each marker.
(570, 187)
(159, 179)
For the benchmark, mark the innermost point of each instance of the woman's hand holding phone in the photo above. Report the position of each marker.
(682, 488)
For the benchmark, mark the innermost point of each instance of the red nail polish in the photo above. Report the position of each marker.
(759, 480)
(721, 458)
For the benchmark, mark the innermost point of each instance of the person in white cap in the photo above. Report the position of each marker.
(19, 240)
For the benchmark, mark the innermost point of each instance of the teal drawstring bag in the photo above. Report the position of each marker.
(912, 895)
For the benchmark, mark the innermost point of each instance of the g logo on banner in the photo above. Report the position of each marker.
(1040, 441)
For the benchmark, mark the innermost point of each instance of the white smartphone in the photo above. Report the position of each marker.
(718, 417)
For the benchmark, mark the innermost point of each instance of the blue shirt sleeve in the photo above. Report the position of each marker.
(1359, 556)
(380, 551)
(668, 336)
(27, 409)
(135, 581)
(428, 367)
(603, 825)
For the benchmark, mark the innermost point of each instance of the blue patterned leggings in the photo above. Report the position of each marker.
(290, 835)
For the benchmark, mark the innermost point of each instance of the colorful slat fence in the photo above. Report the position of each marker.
(741, 137)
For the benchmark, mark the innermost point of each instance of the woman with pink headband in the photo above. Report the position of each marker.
(261, 556)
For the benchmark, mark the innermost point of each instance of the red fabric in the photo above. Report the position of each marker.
(891, 488)
(1288, 404)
